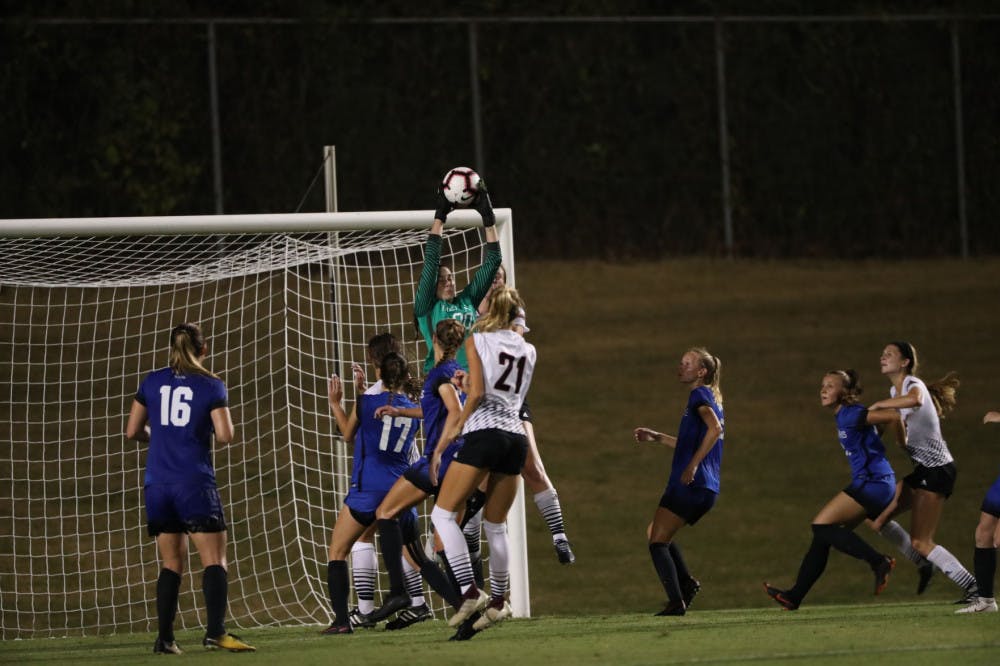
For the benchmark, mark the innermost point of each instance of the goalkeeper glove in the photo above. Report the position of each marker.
(443, 206)
(483, 206)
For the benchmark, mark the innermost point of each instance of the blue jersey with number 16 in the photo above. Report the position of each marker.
(381, 446)
(179, 409)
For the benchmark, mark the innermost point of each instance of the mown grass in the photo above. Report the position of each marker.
(609, 337)
(912, 634)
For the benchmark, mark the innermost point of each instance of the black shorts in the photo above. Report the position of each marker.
(687, 502)
(493, 449)
(365, 518)
(940, 480)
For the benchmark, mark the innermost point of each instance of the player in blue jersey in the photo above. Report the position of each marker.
(441, 404)
(364, 561)
(984, 559)
(694, 474)
(178, 410)
(872, 488)
(436, 298)
(381, 454)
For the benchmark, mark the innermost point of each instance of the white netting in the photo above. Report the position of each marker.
(86, 318)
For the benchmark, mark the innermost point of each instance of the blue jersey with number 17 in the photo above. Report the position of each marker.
(381, 446)
(179, 409)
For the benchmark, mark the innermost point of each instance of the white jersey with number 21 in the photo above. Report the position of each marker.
(508, 364)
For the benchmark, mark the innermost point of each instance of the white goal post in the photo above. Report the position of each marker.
(285, 300)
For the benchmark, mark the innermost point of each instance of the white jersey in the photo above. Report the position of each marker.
(924, 441)
(508, 363)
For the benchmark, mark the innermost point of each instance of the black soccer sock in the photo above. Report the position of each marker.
(168, 587)
(434, 576)
(984, 563)
(665, 569)
(391, 540)
(812, 567)
(679, 563)
(339, 586)
(849, 543)
(215, 586)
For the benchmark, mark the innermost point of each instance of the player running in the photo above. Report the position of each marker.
(873, 484)
(924, 490)
(987, 537)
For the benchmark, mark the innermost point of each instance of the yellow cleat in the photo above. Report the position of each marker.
(229, 642)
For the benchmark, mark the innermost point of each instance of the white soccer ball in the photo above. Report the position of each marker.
(460, 186)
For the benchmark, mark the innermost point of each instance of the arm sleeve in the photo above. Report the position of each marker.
(426, 294)
(481, 281)
(220, 397)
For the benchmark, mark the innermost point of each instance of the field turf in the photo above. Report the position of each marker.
(911, 634)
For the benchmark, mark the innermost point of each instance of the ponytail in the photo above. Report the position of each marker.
(943, 393)
(713, 371)
(187, 346)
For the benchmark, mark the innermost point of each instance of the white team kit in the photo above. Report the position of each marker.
(508, 364)
(924, 441)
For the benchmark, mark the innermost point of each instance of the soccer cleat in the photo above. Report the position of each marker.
(473, 600)
(781, 597)
(672, 608)
(980, 605)
(409, 616)
(390, 606)
(361, 620)
(337, 629)
(882, 571)
(229, 642)
(689, 589)
(563, 551)
(467, 629)
(925, 571)
(971, 594)
(166, 647)
(496, 612)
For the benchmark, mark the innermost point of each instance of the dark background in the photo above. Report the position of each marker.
(602, 137)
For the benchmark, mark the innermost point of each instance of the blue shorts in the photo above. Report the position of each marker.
(991, 503)
(364, 501)
(173, 508)
(687, 502)
(874, 495)
(419, 472)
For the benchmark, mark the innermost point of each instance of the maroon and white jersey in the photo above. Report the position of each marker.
(508, 362)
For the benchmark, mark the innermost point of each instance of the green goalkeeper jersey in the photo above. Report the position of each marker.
(428, 309)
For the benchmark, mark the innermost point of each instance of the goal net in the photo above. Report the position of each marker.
(285, 301)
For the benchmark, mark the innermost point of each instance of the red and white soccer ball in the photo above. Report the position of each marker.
(460, 186)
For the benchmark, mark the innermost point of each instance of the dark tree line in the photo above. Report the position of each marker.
(603, 137)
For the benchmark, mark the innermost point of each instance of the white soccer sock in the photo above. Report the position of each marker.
(951, 567)
(496, 537)
(900, 538)
(364, 569)
(547, 502)
(414, 586)
(455, 549)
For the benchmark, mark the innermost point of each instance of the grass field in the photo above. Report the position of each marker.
(609, 337)
(911, 634)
